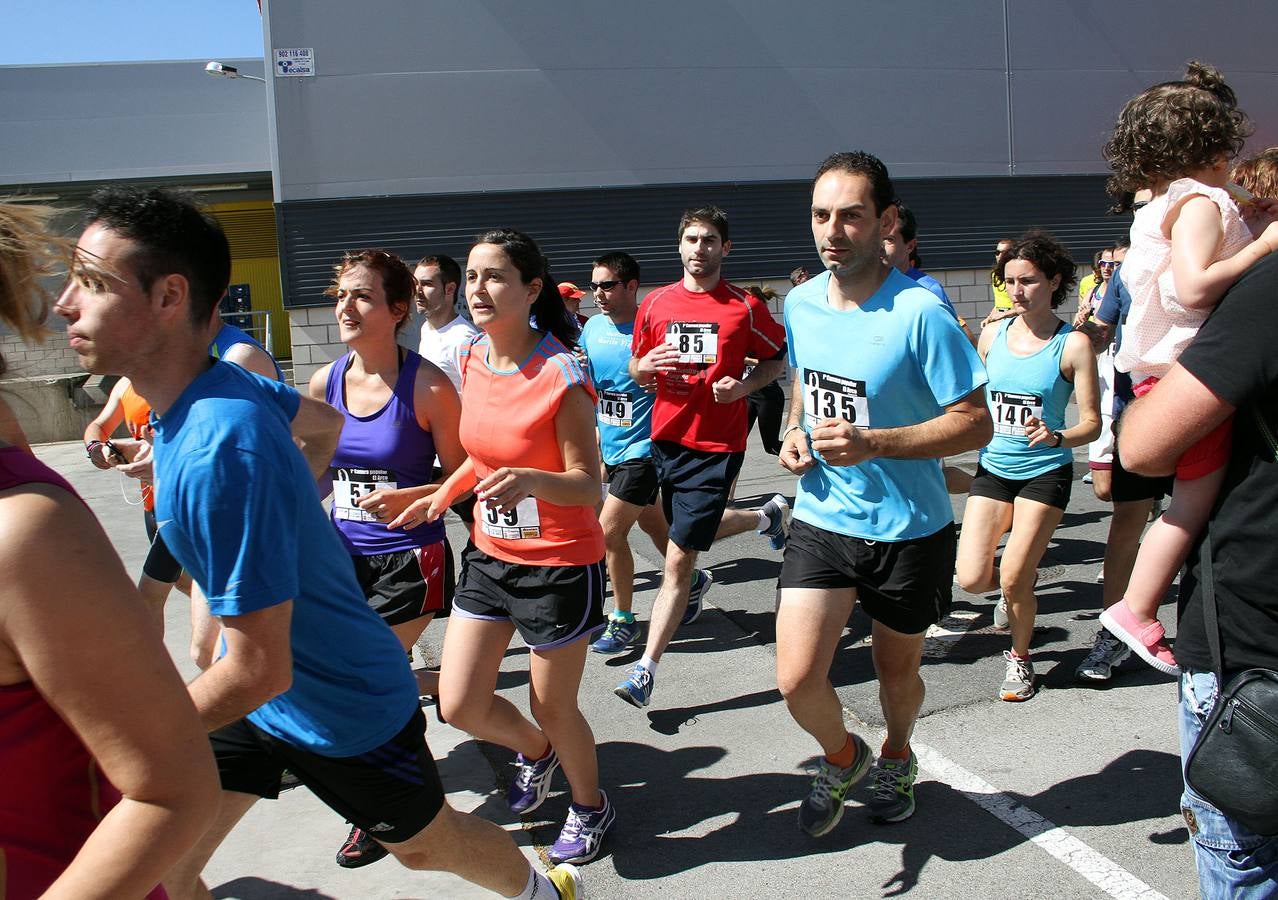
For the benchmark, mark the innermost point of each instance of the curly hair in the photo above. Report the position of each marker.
(1258, 174)
(398, 283)
(1046, 254)
(27, 254)
(1172, 129)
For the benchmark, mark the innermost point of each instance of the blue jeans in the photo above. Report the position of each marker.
(1233, 862)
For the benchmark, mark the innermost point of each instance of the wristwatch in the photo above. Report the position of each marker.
(1060, 439)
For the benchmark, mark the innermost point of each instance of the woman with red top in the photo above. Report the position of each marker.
(106, 777)
(535, 559)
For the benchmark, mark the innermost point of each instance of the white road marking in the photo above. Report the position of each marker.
(1097, 868)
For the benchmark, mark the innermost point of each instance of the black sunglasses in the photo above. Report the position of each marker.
(603, 285)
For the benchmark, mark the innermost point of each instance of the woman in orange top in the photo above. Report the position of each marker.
(535, 559)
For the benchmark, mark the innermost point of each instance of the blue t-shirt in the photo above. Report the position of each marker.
(624, 410)
(927, 281)
(1021, 388)
(896, 360)
(229, 336)
(237, 506)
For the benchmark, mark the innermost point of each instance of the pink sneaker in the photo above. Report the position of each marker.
(1148, 641)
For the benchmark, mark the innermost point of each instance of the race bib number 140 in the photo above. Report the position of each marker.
(1012, 411)
(697, 342)
(511, 524)
(827, 396)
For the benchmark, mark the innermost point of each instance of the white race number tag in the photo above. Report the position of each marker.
(616, 408)
(1012, 411)
(349, 484)
(511, 524)
(697, 342)
(827, 396)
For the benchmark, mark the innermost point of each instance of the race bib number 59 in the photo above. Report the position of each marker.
(827, 396)
(1012, 411)
(697, 342)
(511, 524)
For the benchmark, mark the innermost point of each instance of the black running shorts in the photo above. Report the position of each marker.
(408, 584)
(634, 481)
(906, 585)
(694, 490)
(1051, 488)
(392, 791)
(549, 605)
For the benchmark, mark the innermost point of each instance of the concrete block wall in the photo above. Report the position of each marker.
(24, 360)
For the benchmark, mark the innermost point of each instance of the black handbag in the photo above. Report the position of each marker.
(1234, 763)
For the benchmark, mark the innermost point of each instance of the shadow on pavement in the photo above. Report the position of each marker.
(250, 888)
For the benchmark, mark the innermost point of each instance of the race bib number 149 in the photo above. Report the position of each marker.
(827, 396)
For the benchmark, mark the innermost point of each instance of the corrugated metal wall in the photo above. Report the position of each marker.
(250, 230)
(959, 221)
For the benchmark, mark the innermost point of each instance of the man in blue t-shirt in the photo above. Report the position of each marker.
(309, 678)
(885, 383)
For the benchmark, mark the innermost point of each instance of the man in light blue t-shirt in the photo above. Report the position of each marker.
(885, 383)
(309, 678)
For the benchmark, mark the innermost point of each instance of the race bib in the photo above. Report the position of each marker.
(1012, 411)
(616, 408)
(697, 342)
(511, 524)
(349, 484)
(827, 396)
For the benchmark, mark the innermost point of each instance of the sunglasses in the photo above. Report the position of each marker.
(1107, 264)
(603, 285)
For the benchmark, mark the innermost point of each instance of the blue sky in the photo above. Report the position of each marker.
(64, 31)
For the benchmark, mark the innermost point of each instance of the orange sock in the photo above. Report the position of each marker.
(844, 757)
(894, 754)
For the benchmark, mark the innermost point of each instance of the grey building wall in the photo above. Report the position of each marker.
(502, 95)
(124, 121)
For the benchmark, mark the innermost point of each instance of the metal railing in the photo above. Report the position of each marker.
(257, 322)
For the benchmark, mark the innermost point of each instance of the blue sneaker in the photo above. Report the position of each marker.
(702, 581)
(617, 637)
(637, 688)
(583, 833)
(532, 782)
(778, 514)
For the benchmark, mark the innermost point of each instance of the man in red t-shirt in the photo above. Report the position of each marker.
(691, 340)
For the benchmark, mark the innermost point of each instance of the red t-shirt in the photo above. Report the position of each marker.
(715, 331)
(508, 419)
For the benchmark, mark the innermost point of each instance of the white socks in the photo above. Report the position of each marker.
(650, 664)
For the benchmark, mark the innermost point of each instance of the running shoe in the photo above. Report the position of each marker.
(893, 798)
(777, 512)
(1000, 612)
(1018, 681)
(702, 581)
(822, 809)
(532, 782)
(636, 689)
(1107, 652)
(583, 833)
(1148, 640)
(567, 881)
(288, 781)
(359, 850)
(617, 637)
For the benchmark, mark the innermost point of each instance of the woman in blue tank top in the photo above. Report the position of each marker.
(1022, 484)
(401, 411)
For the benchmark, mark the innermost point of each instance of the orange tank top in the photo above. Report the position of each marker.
(137, 418)
(508, 419)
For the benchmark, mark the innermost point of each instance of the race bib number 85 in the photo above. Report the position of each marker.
(697, 342)
(827, 396)
(1012, 411)
(511, 524)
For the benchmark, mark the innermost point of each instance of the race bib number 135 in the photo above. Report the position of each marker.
(827, 396)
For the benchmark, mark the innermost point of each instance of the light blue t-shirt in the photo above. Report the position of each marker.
(1021, 388)
(927, 281)
(624, 410)
(229, 335)
(896, 360)
(237, 506)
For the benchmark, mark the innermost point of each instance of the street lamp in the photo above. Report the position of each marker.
(225, 71)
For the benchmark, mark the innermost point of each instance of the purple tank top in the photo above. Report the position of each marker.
(387, 449)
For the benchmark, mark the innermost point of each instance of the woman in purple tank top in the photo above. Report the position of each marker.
(401, 412)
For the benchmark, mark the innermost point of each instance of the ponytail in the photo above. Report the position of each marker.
(548, 308)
